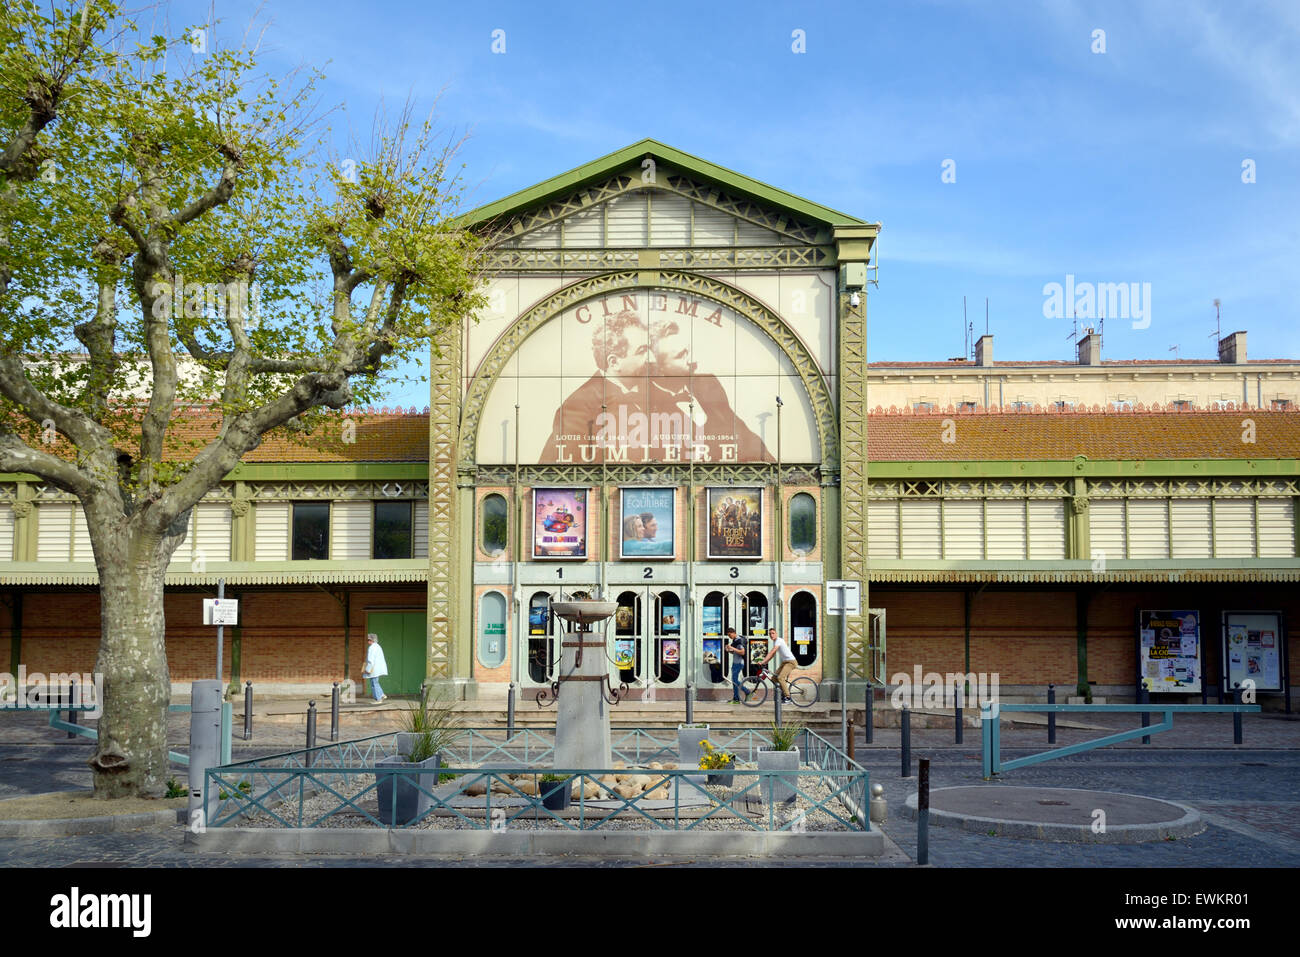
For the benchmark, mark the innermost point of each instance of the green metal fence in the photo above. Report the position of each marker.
(312, 788)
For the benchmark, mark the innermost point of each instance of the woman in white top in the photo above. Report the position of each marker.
(376, 667)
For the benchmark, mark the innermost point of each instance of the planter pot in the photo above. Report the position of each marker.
(411, 801)
(555, 794)
(688, 746)
(778, 789)
(721, 778)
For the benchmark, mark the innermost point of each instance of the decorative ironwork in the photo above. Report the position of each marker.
(444, 564)
(853, 471)
(545, 700)
(511, 259)
(500, 476)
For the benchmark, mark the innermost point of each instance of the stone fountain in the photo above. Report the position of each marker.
(583, 693)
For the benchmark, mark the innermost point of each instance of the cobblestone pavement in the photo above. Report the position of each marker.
(1249, 795)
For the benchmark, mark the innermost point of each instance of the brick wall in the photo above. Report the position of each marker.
(287, 636)
(1028, 637)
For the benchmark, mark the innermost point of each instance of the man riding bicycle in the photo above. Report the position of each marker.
(779, 647)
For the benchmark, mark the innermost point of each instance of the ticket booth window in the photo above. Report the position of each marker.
(803, 628)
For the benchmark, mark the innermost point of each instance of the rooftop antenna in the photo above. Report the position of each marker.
(1218, 329)
(965, 328)
(1174, 350)
(1074, 329)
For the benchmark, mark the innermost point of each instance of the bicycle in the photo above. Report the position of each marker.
(803, 690)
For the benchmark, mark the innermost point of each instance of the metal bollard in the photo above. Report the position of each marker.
(906, 722)
(1236, 717)
(923, 814)
(72, 701)
(311, 731)
(1144, 697)
(871, 714)
(334, 713)
(957, 701)
(1051, 715)
(510, 711)
(690, 703)
(776, 703)
(850, 737)
(248, 711)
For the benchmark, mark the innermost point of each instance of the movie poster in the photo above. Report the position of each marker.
(713, 651)
(711, 620)
(559, 523)
(670, 619)
(757, 650)
(735, 523)
(537, 619)
(1169, 650)
(758, 619)
(648, 523)
(671, 649)
(625, 653)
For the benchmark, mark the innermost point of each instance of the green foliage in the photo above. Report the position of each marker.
(785, 735)
(175, 789)
(432, 726)
(553, 778)
(222, 171)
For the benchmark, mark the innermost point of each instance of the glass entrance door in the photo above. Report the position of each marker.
(749, 611)
(648, 637)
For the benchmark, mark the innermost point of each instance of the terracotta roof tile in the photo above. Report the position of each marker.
(1124, 436)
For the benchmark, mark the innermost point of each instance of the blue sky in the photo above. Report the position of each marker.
(1116, 166)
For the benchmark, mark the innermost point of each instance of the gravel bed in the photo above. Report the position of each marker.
(531, 816)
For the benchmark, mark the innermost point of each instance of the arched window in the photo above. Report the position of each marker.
(494, 524)
(803, 628)
(492, 629)
(803, 523)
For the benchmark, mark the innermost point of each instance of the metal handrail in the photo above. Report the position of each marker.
(991, 728)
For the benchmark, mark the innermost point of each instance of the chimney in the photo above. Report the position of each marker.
(984, 351)
(1232, 348)
(1090, 348)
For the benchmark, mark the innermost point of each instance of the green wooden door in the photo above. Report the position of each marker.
(402, 636)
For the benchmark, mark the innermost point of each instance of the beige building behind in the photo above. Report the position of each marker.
(1089, 382)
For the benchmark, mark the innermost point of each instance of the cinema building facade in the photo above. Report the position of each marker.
(665, 403)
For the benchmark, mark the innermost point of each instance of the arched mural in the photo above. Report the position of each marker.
(654, 375)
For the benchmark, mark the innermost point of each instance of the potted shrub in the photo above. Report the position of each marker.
(782, 755)
(716, 760)
(428, 729)
(555, 790)
(689, 737)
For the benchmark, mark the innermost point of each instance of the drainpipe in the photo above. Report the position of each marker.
(1081, 600)
(16, 635)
